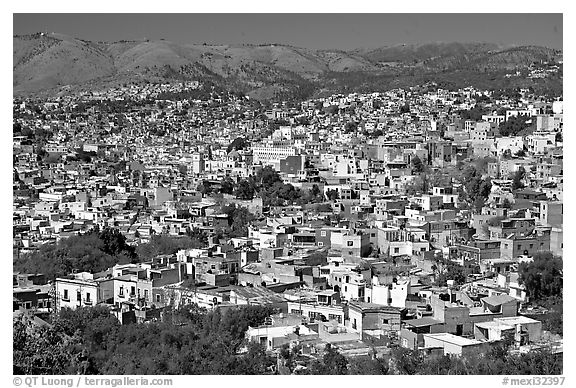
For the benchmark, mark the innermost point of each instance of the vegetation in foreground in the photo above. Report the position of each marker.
(193, 341)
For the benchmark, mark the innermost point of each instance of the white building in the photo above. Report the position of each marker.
(82, 291)
(393, 294)
(272, 155)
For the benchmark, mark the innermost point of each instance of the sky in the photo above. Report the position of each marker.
(331, 31)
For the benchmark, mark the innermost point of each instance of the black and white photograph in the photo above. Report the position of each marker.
(287, 194)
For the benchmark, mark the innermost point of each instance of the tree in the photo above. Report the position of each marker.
(514, 125)
(227, 185)
(204, 187)
(237, 144)
(266, 177)
(94, 251)
(331, 110)
(450, 271)
(416, 185)
(315, 191)
(45, 350)
(26, 131)
(405, 108)
(255, 362)
(474, 114)
(350, 127)
(417, 165)
(376, 133)
(114, 242)
(477, 189)
(332, 194)
(279, 194)
(167, 245)
(244, 190)
(312, 196)
(543, 276)
(406, 362)
(557, 137)
(241, 219)
(368, 366)
(333, 363)
(517, 179)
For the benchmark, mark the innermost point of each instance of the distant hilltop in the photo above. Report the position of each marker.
(48, 61)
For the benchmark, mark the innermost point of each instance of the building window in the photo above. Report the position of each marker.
(66, 295)
(350, 243)
(396, 250)
(385, 321)
(78, 296)
(158, 298)
(323, 233)
(121, 293)
(88, 297)
(320, 244)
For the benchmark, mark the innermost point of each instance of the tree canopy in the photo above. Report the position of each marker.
(186, 341)
(237, 144)
(239, 218)
(542, 277)
(417, 165)
(167, 245)
(517, 179)
(514, 125)
(93, 251)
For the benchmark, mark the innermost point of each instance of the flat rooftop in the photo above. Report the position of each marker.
(492, 325)
(453, 339)
(518, 320)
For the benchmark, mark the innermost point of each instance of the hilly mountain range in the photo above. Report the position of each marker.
(46, 62)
